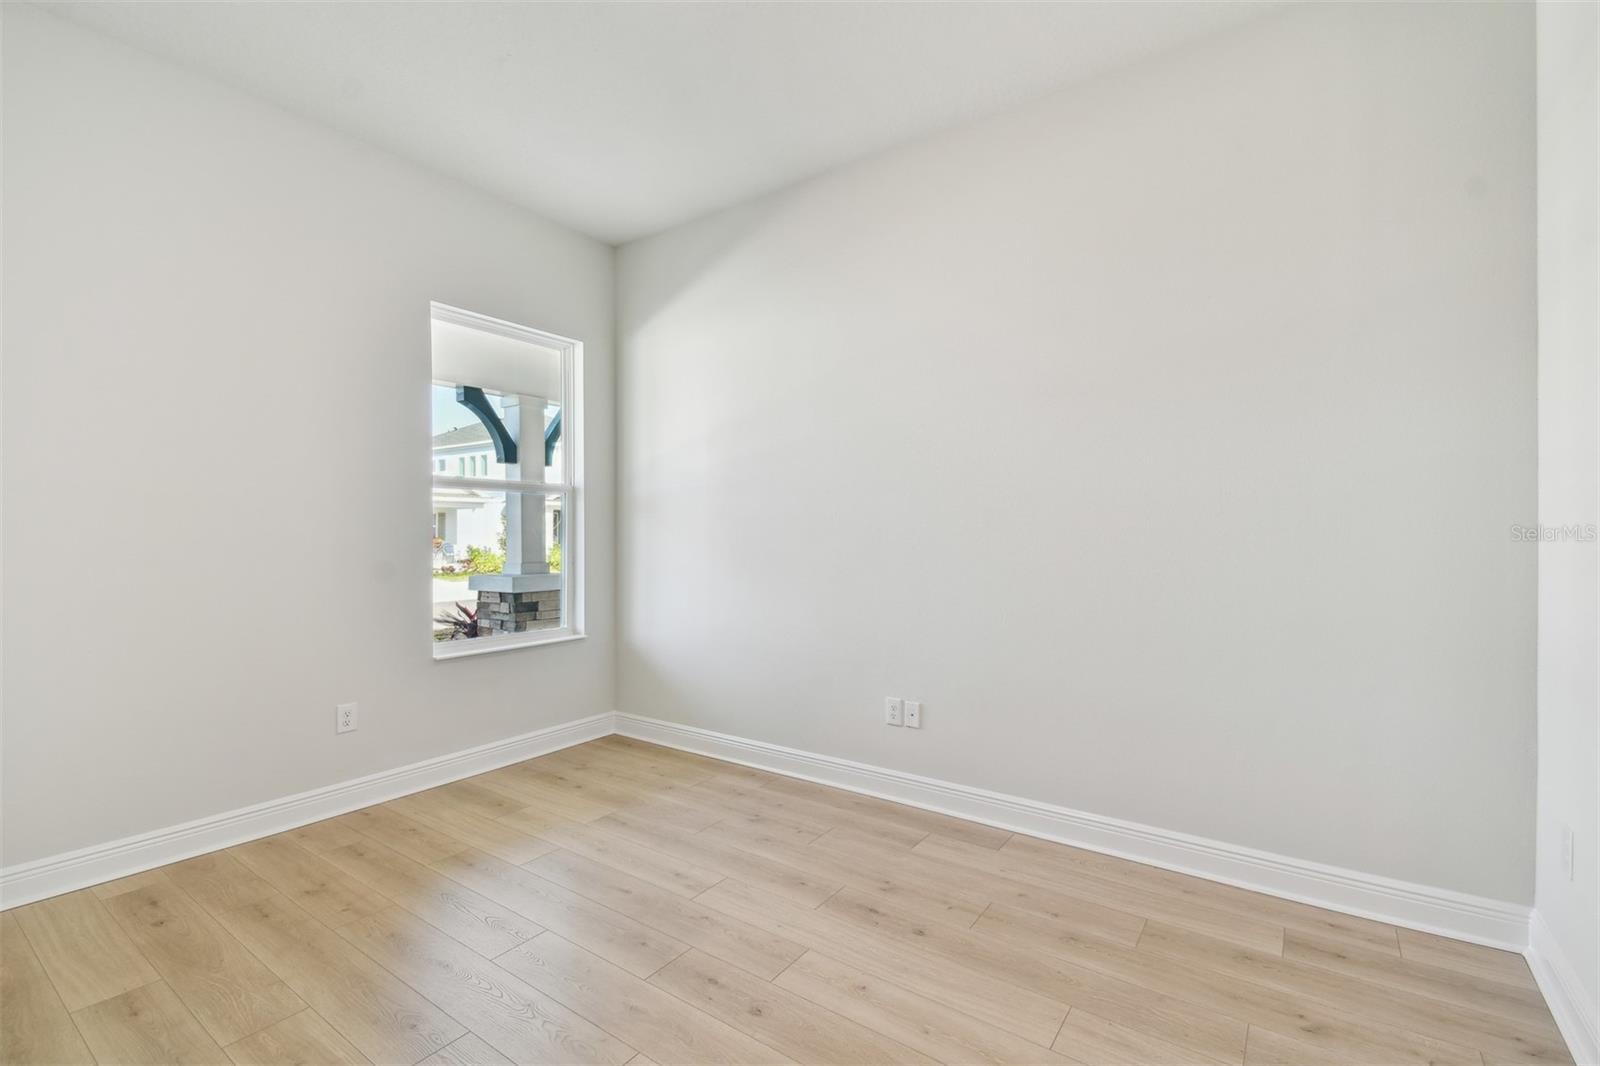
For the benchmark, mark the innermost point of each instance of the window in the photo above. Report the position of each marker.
(507, 556)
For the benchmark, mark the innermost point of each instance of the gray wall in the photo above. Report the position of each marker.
(215, 401)
(1569, 333)
(1164, 437)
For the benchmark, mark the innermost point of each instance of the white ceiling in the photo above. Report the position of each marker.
(623, 119)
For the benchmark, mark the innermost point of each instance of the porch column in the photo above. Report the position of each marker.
(526, 552)
(526, 595)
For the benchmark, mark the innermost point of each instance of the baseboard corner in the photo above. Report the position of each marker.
(1574, 1007)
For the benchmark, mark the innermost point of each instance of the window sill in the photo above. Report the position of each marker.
(461, 649)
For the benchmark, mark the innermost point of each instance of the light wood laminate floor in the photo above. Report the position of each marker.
(619, 902)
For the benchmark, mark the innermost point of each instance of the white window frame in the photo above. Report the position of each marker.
(570, 485)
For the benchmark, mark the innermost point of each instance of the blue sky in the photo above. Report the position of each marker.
(447, 414)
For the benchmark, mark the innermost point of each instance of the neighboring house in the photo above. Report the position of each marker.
(463, 517)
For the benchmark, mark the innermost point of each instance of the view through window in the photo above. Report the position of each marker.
(503, 497)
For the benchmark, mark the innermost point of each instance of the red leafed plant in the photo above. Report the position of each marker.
(464, 623)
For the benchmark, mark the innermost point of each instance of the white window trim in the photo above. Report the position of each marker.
(574, 549)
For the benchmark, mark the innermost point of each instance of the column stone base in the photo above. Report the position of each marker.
(518, 612)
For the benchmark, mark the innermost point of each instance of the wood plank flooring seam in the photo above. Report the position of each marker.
(45, 974)
(577, 1008)
(1057, 1038)
(596, 1024)
(179, 888)
(243, 946)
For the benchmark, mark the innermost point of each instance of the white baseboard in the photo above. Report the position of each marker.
(26, 882)
(1573, 1006)
(1436, 910)
(1423, 907)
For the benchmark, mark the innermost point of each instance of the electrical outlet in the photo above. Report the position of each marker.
(913, 714)
(893, 709)
(1566, 851)
(344, 718)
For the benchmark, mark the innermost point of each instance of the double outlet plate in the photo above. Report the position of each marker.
(897, 711)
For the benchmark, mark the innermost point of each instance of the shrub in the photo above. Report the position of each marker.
(554, 558)
(484, 561)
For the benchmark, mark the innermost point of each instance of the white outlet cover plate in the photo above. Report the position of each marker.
(345, 718)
